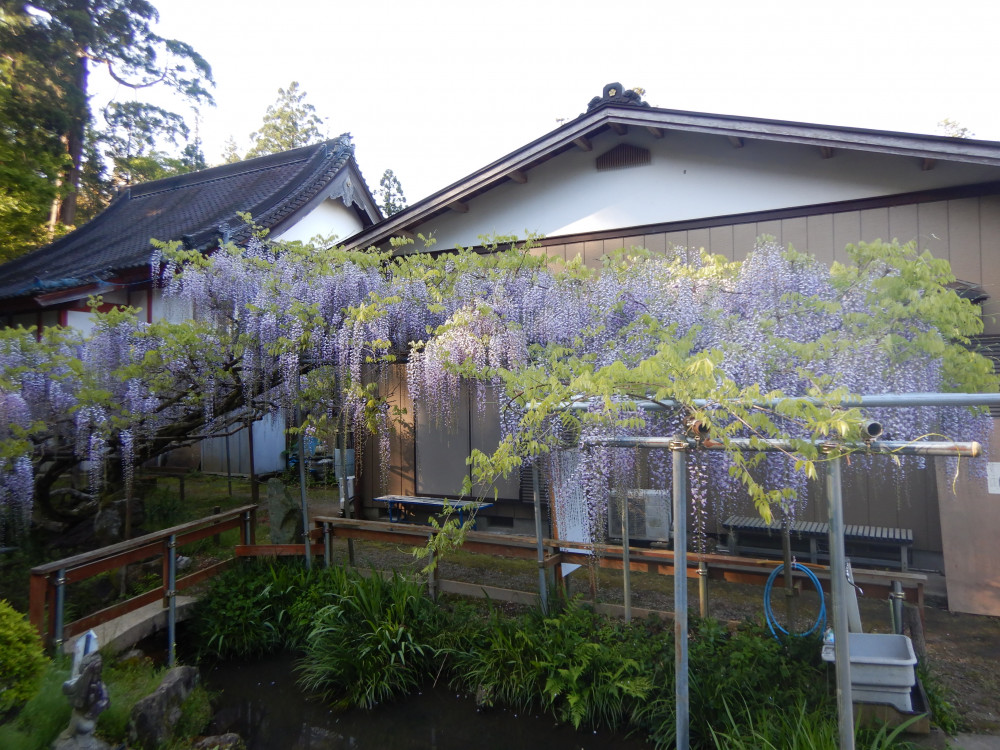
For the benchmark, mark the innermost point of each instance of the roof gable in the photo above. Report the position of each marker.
(632, 120)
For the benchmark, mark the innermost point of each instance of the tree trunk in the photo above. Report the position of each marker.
(74, 140)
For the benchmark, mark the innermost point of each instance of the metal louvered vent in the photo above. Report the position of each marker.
(623, 156)
(988, 344)
(527, 488)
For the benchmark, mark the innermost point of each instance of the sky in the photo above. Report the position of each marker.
(439, 88)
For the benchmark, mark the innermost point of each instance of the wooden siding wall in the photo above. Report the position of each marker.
(964, 231)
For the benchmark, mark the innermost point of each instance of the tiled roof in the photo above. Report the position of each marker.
(198, 208)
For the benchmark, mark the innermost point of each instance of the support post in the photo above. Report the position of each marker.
(302, 472)
(543, 594)
(432, 585)
(60, 614)
(171, 599)
(681, 688)
(626, 561)
(327, 545)
(246, 528)
(838, 591)
(229, 467)
(896, 600)
(254, 489)
(702, 589)
(345, 502)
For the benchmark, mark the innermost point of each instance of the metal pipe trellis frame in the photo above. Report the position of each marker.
(679, 446)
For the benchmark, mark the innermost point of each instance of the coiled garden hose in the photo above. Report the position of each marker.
(772, 622)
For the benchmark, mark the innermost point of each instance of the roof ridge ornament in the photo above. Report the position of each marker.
(615, 93)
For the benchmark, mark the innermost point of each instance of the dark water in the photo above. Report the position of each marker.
(261, 702)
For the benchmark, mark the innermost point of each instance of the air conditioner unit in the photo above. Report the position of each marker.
(649, 516)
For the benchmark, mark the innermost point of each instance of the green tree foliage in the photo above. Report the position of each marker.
(288, 123)
(954, 129)
(390, 194)
(136, 135)
(47, 51)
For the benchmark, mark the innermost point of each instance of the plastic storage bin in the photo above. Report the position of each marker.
(881, 668)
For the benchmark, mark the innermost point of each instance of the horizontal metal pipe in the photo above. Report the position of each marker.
(897, 447)
(881, 400)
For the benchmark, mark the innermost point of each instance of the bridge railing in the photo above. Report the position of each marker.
(47, 604)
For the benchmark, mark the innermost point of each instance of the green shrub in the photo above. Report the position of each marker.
(246, 612)
(573, 664)
(373, 643)
(23, 659)
(43, 717)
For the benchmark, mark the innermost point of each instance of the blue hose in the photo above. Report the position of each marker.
(772, 623)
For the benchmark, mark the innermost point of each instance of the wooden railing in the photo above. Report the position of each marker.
(729, 568)
(47, 607)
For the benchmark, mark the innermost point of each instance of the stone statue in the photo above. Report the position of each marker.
(88, 697)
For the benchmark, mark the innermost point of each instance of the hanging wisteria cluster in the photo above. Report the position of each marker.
(717, 339)
(277, 326)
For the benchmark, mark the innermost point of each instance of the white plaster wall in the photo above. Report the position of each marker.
(329, 217)
(691, 176)
(172, 310)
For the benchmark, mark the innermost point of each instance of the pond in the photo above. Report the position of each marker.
(262, 703)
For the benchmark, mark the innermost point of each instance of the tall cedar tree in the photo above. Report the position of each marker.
(288, 123)
(47, 51)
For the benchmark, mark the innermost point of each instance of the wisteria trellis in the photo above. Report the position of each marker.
(280, 324)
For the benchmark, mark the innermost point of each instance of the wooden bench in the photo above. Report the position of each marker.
(401, 507)
(859, 541)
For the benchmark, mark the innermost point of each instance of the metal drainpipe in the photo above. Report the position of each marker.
(678, 446)
(171, 599)
(838, 591)
(543, 593)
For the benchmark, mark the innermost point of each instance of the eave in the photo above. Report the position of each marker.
(827, 139)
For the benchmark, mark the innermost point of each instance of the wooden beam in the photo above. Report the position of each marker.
(519, 176)
(655, 132)
(619, 128)
(826, 152)
(736, 142)
(459, 207)
(927, 164)
(583, 143)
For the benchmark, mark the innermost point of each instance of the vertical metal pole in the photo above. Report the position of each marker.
(346, 503)
(60, 613)
(838, 586)
(246, 527)
(327, 545)
(171, 599)
(254, 489)
(626, 560)
(702, 589)
(896, 598)
(681, 688)
(229, 467)
(432, 577)
(543, 594)
(302, 471)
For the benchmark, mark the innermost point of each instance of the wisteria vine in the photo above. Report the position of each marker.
(274, 326)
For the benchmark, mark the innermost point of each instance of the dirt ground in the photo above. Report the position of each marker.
(963, 651)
